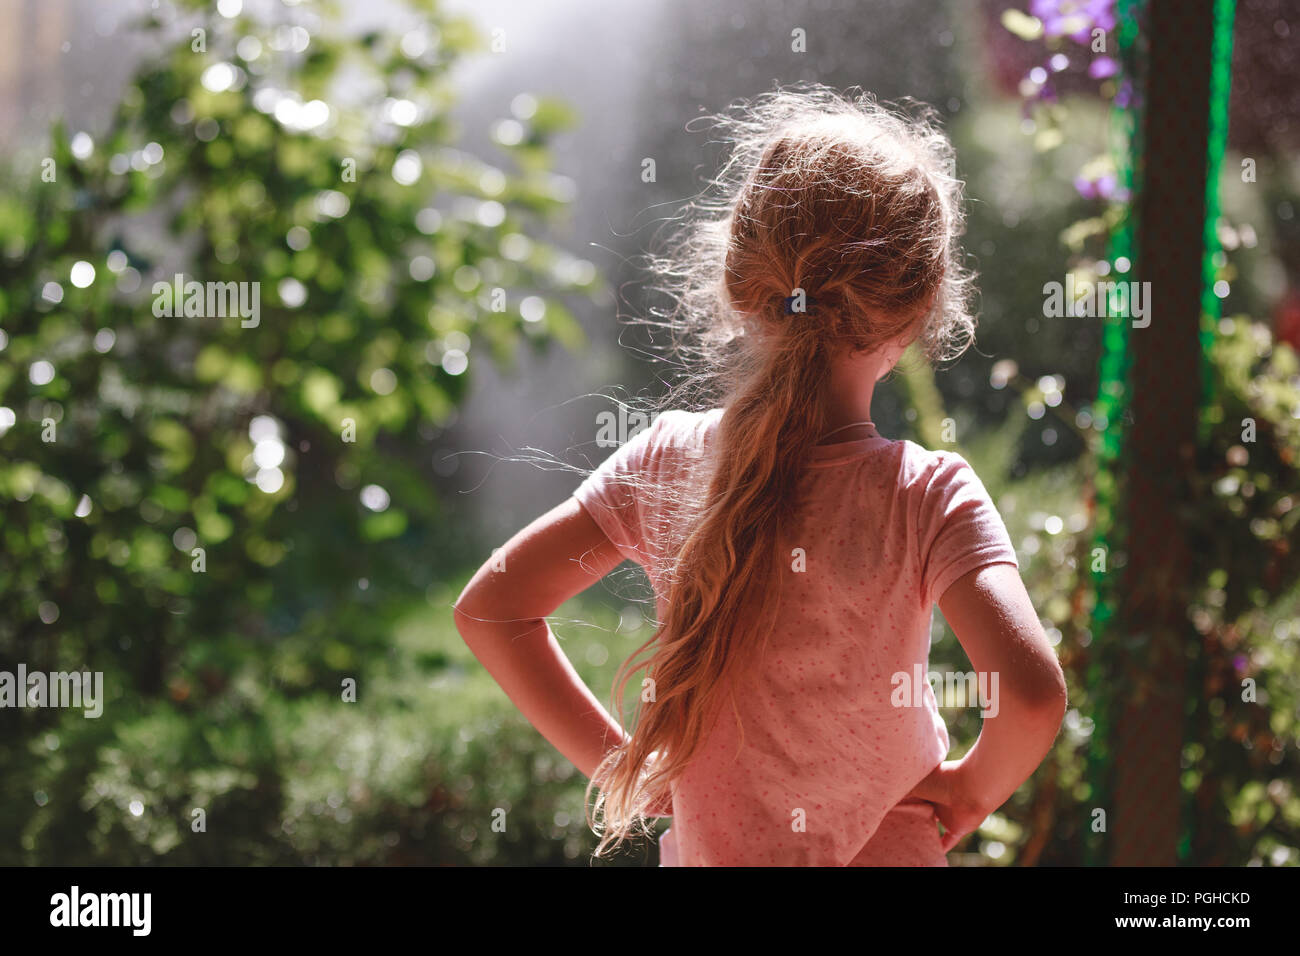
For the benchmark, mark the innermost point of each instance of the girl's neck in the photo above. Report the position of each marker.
(849, 392)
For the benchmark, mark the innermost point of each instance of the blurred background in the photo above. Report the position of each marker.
(255, 532)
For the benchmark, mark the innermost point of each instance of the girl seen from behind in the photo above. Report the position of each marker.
(796, 554)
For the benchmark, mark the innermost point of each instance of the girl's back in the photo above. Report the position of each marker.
(836, 722)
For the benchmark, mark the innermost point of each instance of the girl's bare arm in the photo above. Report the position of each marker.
(501, 616)
(992, 616)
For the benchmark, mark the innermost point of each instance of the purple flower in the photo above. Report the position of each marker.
(1102, 67)
(1074, 18)
(1103, 187)
(1037, 83)
(1124, 95)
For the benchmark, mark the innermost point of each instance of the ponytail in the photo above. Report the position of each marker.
(720, 594)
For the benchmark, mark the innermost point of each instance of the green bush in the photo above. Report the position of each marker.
(224, 594)
(430, 764)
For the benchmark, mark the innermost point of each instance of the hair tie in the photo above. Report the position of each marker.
(808, 301)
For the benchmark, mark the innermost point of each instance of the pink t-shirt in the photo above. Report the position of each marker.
(882, 528)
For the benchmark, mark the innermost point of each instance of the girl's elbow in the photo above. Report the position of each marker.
(1041, 700)
(485, 611)
(467, 612)
(1054, 708)
(463, 620)
(1049, 700)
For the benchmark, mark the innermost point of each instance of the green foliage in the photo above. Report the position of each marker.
(416, 770)
(383, 255)
(1243, 758)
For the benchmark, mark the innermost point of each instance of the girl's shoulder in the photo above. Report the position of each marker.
(679, 429)
(928, 460)
(927, 471)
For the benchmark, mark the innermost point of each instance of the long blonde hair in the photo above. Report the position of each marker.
(856, 206)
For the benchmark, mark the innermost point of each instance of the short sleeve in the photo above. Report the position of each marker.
(960, 528)
(612, 493)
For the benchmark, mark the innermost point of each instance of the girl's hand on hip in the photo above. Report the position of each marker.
(955, 809)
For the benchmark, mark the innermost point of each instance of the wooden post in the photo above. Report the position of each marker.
(1164, 401)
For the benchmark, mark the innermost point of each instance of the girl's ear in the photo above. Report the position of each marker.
(890, 353)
